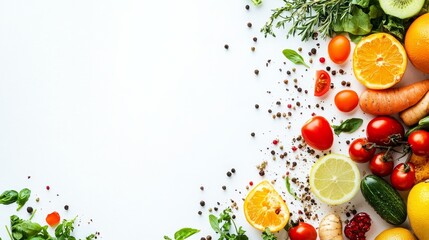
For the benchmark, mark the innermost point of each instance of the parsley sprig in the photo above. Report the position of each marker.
(223, 226)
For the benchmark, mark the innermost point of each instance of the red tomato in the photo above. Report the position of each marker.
(381, 164)
(385, 131)
(303, 231)
(419, 142)
(403, 176)
(317, 132)
(322, 83)
(53, 219)
(346, 100)
(358, 152)
(339, 49)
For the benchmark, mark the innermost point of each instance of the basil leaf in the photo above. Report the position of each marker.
(349, 125)
(167, 238)
(184, 233)
(423, 124)
(289, 189)
(8, 197)
(257, 2)
(23, 197)
(214, 223)
(294, 57)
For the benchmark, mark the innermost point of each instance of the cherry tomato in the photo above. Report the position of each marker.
(385, 131)
(302, 231)
(403, 176)
(419, 142)
(381, 164)
(317, 132)
(346, 100)
(53, 219)
(322, 83)
(358, 152)
(339, 49)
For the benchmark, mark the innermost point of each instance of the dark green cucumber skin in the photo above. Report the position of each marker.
(385, 200)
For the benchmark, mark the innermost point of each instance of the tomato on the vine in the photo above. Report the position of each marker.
(381, 164)
(419, 142)
(346, 100)
(403, 176)
(322, 83)
(302, 231)
(317, 133)
(385, 131)
(360, 151)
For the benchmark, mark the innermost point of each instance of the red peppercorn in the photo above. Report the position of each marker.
(53, 219)
(294, 148)
(322, 60)
(289, 105)
(48, 188)
(251, 183)
(275, 141)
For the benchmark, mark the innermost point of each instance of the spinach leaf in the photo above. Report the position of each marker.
(349, 125)
(8, 197)
(184, 233)
(24, 229)
(294, 57)
(357, 23)
(23, 197)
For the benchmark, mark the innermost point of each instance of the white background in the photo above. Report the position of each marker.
(126, 108)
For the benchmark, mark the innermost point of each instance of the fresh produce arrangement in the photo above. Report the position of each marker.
(28, 229)
(387, 163)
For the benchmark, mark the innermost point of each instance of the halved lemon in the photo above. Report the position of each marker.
(265, 208)
(334, 179)
(379, 61)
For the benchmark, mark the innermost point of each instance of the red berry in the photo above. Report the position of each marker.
(322, 60)
(275, 141)
(358, 226)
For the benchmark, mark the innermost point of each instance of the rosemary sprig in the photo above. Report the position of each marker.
(307, 17)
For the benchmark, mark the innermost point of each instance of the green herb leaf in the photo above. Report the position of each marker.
(257, 2)
(8, 197)
(423, 124)
(357, 23)
(214, 223)
(268, 235)
(349, 125)
(167, 238)
(294, 57)
(184, 233)
(290, 191)
(23, 197)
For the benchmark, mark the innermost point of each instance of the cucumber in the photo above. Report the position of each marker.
(385, 200)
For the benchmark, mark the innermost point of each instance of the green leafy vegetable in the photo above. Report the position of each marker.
(268, 235)
(294, 57)
(326, 17)
(8, 197)
(257, 2)
(289, 188)
(349, 125)
(223, 225)
(23, 197)
(183, 233)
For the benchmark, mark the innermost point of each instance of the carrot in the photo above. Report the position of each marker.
(413, 114)
(393, 100)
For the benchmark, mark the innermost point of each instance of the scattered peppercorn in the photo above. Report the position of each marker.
(224, 187)
(256, 72)
(255, 39)
(30, 210)
(66, 207)
(202, 203)
(252, 134)
(257, 106)
(233, 170)
(247, 7)
(313, 51)
(228, 174)
(249, 24)
(226, 46)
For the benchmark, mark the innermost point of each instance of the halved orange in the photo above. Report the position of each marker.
(379, 61)
(265, 208)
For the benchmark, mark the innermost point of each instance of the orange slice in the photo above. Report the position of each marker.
(265, 208)
(379, 61)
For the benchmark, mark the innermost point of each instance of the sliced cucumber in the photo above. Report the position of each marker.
(402, 8)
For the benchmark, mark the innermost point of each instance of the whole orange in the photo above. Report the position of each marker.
(417, 42)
